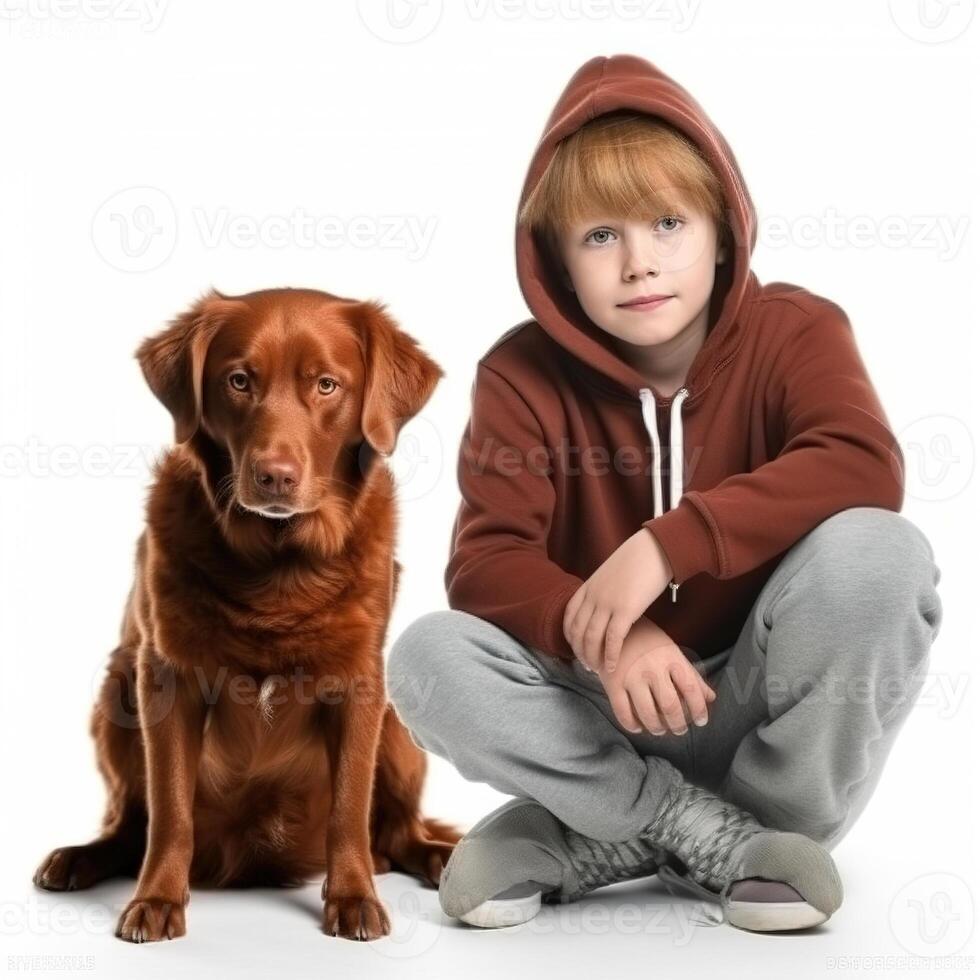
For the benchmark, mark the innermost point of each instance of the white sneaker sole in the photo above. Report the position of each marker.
(498, 913)
(773, 916)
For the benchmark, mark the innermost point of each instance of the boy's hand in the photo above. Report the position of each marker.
(609, 602)
(655, 686)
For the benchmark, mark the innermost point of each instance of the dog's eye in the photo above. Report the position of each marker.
(238, 380)
(326, 385)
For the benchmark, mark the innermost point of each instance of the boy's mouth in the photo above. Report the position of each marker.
(642, 303)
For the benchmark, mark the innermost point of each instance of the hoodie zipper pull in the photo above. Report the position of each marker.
(673, 591)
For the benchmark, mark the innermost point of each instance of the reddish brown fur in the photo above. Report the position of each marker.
(209, 783)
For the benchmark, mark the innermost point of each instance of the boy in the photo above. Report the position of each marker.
(583, 632)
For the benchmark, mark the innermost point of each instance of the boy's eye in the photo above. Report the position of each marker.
(675, 222)
(600, 232)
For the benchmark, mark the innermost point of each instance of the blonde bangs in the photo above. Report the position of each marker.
(622, 166)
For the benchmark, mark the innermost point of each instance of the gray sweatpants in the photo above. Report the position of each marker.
(810, 698)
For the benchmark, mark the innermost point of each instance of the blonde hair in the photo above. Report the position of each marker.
(624, 164)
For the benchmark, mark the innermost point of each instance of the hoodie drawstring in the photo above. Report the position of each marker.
(648, 403)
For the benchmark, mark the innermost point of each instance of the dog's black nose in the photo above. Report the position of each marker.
(276, 475)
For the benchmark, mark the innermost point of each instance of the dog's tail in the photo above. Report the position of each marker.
(439, 830)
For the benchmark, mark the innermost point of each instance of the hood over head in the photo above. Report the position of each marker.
(628, 82)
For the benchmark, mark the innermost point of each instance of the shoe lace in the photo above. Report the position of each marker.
(597, 863)
(705, 832)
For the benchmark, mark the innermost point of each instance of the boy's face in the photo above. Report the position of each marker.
(611, 262)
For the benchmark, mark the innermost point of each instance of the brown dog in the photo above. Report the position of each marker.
(243, 729)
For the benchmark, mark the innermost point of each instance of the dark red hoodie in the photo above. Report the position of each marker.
(777, 424)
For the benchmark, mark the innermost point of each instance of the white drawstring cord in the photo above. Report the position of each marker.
(648, 405)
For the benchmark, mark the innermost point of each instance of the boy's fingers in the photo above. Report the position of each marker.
(589, 658)
(623, 709)
(595, 635)
(668, 703)
(580, 621)
(688, 683)
(709, 691)
(571, 612)
(566, 620)
(615, 635)
(644, 707)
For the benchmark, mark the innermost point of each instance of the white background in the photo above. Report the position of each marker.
(409, 126)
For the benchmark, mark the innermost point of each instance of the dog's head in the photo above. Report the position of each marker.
(293, 385)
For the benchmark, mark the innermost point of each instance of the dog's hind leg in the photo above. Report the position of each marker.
(83, 865)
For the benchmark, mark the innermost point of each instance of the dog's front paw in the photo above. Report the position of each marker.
(361, 917)
(151, 919)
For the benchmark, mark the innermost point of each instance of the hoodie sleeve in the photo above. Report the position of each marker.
(499, 567)
(838, 452)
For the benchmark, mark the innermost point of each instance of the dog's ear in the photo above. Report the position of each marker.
(173, 361)
(399, 376)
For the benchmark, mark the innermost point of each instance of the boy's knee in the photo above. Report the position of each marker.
(871, 553)
(419, 660)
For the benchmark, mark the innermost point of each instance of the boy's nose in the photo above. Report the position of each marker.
(640, 258)
(637, 267)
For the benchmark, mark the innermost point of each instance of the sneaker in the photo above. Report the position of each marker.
(521, 855)
(764, 880)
